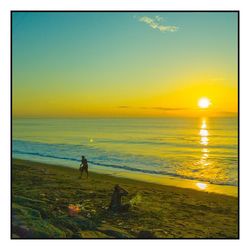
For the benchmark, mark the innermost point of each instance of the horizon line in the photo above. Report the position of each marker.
(234, 114)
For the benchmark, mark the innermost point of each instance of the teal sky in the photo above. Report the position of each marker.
(92, 63)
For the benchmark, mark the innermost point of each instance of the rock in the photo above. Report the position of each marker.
(77, 235)
(22, 211)
(85, 223)
(66, 223)
(39, 230)
(94, 235)
(30, 204)
(160, 233)
(113, 231)
(67, 232)
(146, 235)
(28, 223)
(23, 231)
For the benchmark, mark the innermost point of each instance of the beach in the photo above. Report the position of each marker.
(43, 194)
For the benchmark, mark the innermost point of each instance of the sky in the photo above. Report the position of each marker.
(126, 64)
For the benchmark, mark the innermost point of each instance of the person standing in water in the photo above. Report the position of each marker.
(84, 167)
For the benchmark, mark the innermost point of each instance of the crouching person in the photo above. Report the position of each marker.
(116, 200)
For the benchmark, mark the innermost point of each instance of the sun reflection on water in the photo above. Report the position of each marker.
(204, 150)
(203, 125)
(204, 156)
(203, 132)
(204, 142)
(204, 168)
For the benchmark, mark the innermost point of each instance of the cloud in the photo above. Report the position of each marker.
(156, 23)
(153, 108)
(123, 107)
(164, 108)
(159, 18)
(169, 109)
(227, 113)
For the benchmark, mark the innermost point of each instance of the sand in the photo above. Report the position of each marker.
(42, 194)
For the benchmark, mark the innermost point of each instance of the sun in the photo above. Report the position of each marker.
(204, 103)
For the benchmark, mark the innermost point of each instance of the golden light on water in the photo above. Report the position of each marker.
(204, 168)
(204, 103)
(201, 185)
(204, 150)
(203, 125)
(204, 141)
(203, 132)
(204, 156)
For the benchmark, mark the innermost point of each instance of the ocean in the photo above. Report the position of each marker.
(201, 149)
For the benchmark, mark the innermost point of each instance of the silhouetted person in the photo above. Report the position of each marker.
(116, 200)
(84, 167)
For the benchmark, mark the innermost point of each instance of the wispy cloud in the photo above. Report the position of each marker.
(157, 23)
(123, 107)
(154, 108)
(169, 109)
(164, 108)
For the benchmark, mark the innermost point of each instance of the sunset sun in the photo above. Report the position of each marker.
(204, 103)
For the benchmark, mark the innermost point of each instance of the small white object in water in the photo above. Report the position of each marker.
(201, 185)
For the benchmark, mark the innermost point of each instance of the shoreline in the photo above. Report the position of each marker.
(201, 186)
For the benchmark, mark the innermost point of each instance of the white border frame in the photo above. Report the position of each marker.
(7, 5)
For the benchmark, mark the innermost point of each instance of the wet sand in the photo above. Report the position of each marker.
(42, 193)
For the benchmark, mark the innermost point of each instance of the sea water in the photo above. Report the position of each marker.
(201, 149)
